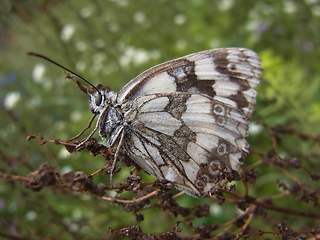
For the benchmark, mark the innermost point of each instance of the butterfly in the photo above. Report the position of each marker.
(185, 120)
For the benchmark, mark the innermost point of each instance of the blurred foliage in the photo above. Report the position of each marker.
(110, 42)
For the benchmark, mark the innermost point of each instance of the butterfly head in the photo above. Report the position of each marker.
(102, 99)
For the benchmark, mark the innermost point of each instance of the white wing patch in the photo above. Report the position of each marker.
(205, 69)
(154, 154)
(197, 153)
(166, 123)
(161, 82)
(225, 89)
(207, 141)
(155, 105)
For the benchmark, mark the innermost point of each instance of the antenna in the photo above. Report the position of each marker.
(50, 60)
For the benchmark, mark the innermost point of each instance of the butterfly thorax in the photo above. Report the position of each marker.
(110, 122)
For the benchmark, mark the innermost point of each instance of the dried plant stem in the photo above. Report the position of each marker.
(121, 201)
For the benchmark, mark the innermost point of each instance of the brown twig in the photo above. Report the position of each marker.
(121, 201)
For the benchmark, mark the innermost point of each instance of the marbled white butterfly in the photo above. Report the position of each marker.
(184, 121)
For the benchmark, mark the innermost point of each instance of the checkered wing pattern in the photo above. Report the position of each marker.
(186, 120)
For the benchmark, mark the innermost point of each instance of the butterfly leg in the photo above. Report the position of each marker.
(116, 155)
(93, 131)
(79, 134)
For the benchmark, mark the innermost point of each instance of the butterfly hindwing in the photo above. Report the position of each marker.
(186, 138)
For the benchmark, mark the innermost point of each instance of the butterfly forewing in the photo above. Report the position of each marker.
(227, 74)
(185, 121)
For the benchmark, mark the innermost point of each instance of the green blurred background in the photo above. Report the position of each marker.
(110, 42)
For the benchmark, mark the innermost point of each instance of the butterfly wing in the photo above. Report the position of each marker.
(186, 119)
(228, 75)
(189, 139)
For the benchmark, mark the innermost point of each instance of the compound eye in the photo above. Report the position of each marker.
(98, 100)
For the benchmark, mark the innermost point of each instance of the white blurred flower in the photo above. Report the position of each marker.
(139, 17)
(97, 63)
(215, 210)
(75, 116)
(38, 76)
(38, 72)
(77, 214)
(254, 128)
(311, 2)
(290, 7)
(99, 57)
(180, 19)
(137, 56)
(141, 57)
(74, 227)
(86, 11)
(66, 169)
(67, 32)
(316, 11)
(81, 46)
(63, 154)
(112, 193)
(11, 100)
(31, 215)
(226, 5)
